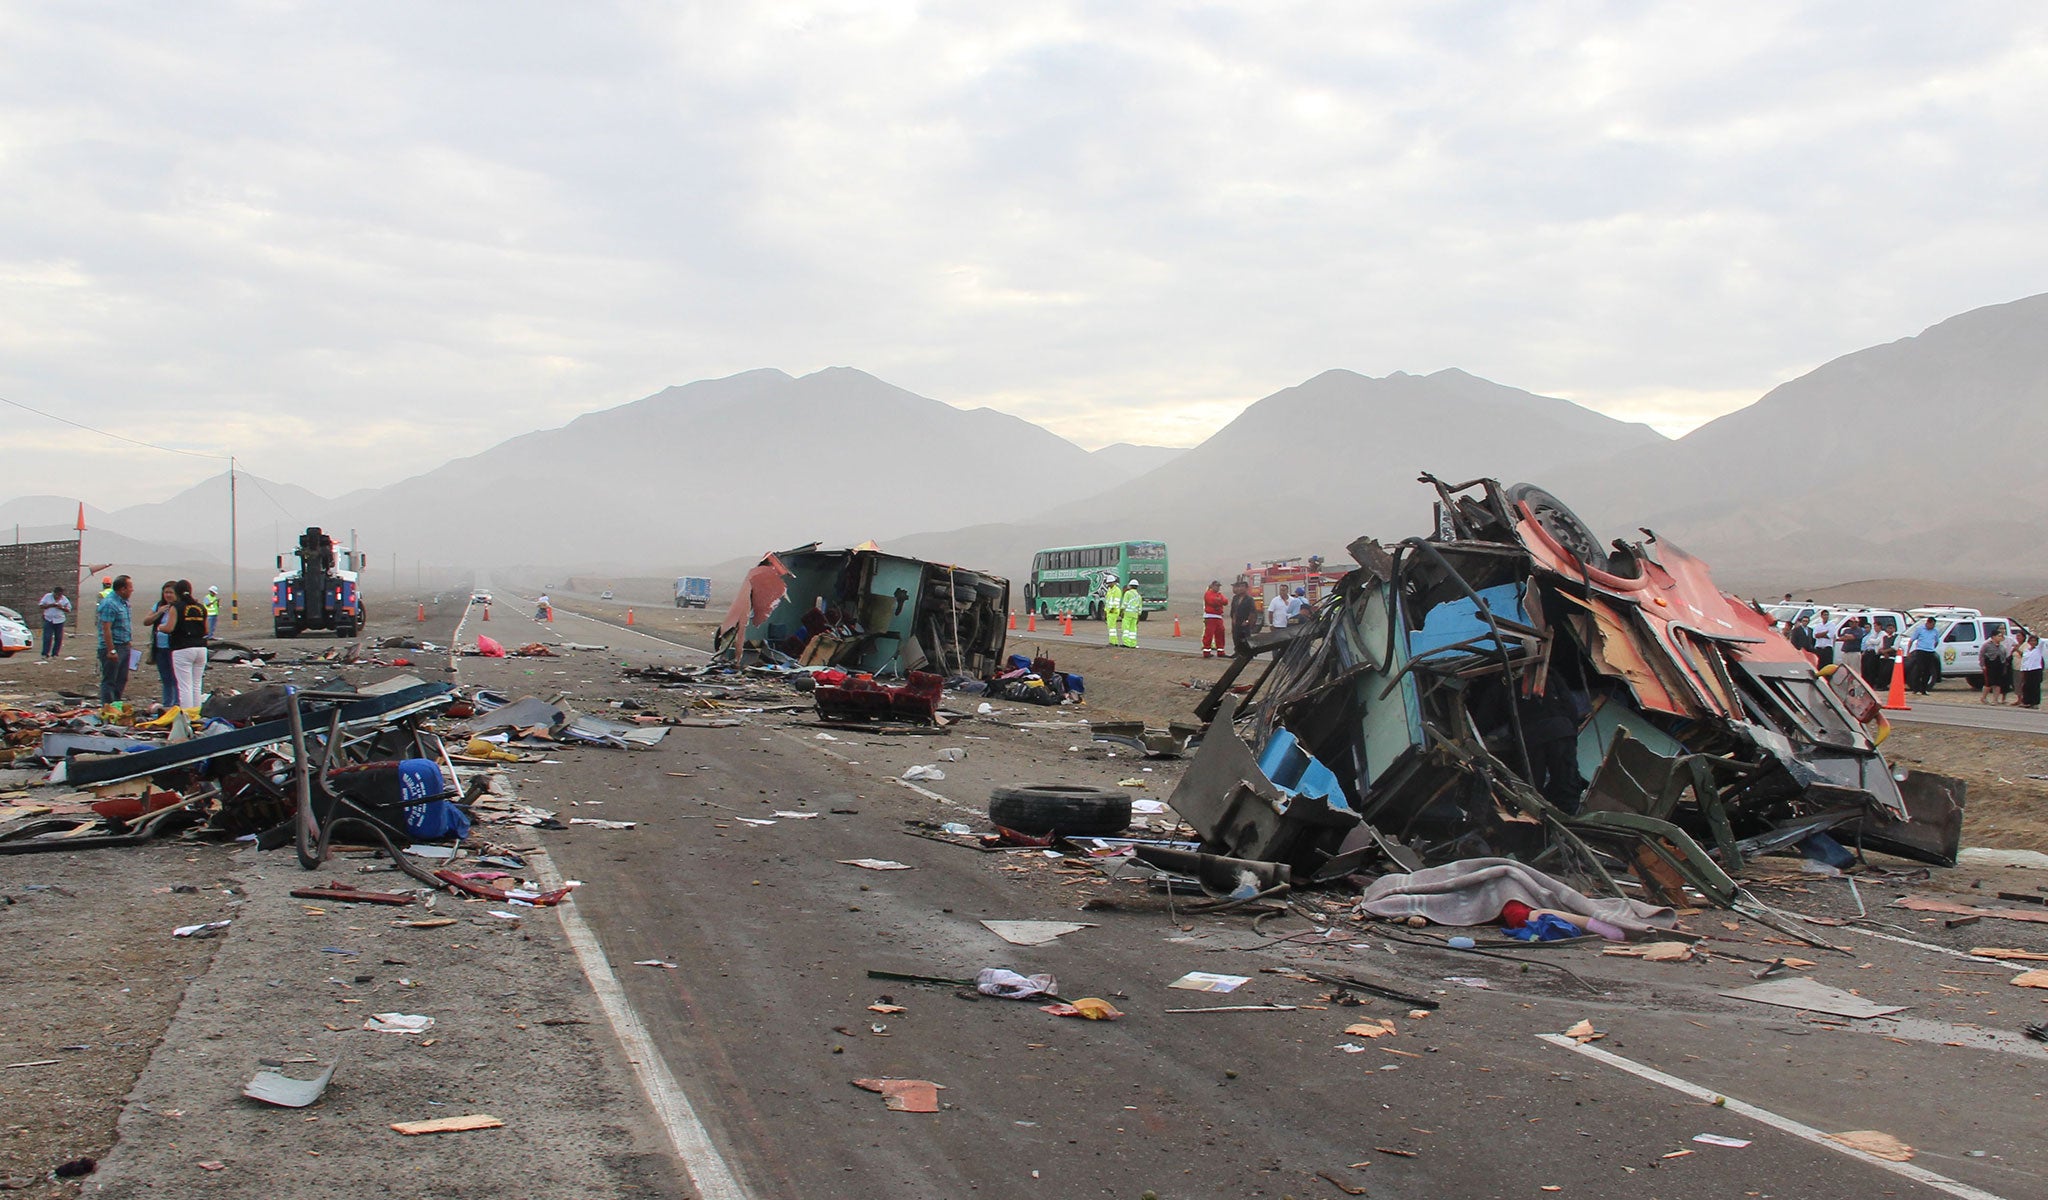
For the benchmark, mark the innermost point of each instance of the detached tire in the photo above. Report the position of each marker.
(1070, 809)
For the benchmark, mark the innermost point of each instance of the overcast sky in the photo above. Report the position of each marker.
(351, 240)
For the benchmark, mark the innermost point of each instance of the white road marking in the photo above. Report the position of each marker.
(710, 1174)
(621, 628)
(1766, 1117)
(1994, 962)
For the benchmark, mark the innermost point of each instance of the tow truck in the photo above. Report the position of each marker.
(321, 592)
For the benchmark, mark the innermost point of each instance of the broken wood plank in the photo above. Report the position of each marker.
(448, 1124)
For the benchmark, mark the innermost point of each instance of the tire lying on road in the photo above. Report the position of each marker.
(1071, 809)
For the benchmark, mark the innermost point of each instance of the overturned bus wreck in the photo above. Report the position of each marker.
(1505, 687)
(866, 611)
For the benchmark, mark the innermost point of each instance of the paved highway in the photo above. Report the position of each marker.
(751, 1043)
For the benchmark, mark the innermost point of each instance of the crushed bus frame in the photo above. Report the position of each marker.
(1505, 687)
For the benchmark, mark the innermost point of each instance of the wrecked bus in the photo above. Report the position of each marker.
(1508, 687)
(868, 611)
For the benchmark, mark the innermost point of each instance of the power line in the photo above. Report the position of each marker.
(119, 437)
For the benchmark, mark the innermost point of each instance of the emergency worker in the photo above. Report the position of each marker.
(1213, 613)
(212, 603)
(1113, 610)
(1134, 607)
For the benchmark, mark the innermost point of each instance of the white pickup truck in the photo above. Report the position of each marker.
(1963, 634)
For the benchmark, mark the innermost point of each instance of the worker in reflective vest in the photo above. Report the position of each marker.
(1134, 607)
(1113, 611)
(212, 610)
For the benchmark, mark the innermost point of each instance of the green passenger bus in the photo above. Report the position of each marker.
(1069, 579)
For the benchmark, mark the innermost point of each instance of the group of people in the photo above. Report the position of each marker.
(1243, 613)
(177, 628)
(2011, 663)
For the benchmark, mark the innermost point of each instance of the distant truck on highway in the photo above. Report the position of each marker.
(693, 591)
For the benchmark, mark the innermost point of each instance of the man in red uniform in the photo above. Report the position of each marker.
(1213, 605)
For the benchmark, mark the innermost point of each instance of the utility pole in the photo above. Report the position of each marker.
(234, 552)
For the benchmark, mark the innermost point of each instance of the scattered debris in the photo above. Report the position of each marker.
(393, 1022)
(462, 1124)
(1584, 1032)
(1875, 1143)
(1813, 996)
(1091, 1008)
(1008, 984)
(904, 1095)
(1033, 933)
(1204, 981)
(876, 864)
(205, 929)
(286, 1092)
(1715, 1139)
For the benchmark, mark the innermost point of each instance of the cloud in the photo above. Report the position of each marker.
(353, 241)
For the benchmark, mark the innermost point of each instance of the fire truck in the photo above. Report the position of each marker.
(1288, 574)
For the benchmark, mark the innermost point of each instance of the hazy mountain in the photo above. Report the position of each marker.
(1923, 456)
(1124, 461)
(45, 510)
(105, 545)
(1307, 469)
(730, 467)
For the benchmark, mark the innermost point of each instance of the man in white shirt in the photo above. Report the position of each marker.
(1277, 609)
(56, 611)
(1824, 637)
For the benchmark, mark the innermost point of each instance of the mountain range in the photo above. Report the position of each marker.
(1915, 457)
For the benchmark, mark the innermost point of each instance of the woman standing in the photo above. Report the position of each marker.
(2030, 673)
(188, 647)
(162, 619)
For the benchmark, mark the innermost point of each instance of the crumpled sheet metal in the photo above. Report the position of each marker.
(1454, 688)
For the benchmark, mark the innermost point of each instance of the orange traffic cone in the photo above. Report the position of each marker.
(551, 614)
(1895, 697)
(423, 613)
(1013, 620)
(487, 612)
(1176, 626)
(1895, 700)
(1067, 625)
(629, 616)
(1031, 622)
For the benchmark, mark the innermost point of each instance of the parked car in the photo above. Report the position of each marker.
(480, 598)
(605, 595)
(1963, 634)
(14, 636)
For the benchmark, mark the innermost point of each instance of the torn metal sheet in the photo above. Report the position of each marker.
(1810, 995)
(1509, 687)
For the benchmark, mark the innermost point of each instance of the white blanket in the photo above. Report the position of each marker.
(1474, 890)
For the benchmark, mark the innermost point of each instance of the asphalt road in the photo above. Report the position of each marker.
(1973, 716)
(765, 1021)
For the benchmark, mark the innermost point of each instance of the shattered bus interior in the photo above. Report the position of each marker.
(1505, 687)
(883, 614)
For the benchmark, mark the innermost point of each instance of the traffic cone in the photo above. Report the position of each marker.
(1031, 622)
(551, 614)
(487, 612)
(629, 616)
(1895, 701)
(1176, 626)
(1013, 621)
(423, 614)
(1067, 625)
